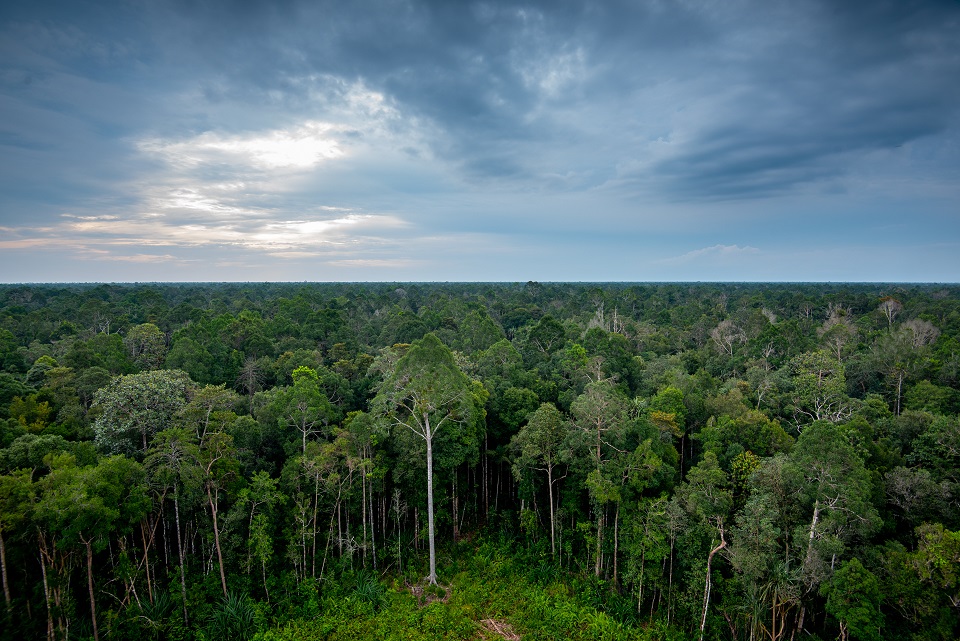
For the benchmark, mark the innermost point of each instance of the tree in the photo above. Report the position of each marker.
(11, 360)
(726, 335)
(853, 598)
(899, 355)
(303, 406)
(838, 333)
(209, 410)
(135, 407)
(16, 495)
(937, 560)
(171, 462)
(600, 415)
(147, 345)
(81, 506)
(190, 356)
(538, 445)
(218, 463)
(830, 479)
(706, 495)
(890, 308)
(759, 551)
(819, 388)
(260, 497)
(424, 393)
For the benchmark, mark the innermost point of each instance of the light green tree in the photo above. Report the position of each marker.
(538, 445)
(304, 407)
(832, 485)
(134, 407)
(171, 464)
(261, 497)
(599, 417)
(82, 506)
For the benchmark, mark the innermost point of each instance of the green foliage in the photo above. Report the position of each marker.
(853, 598)
(642, 423)
(146, 345)
(134, 407)
(234, 619)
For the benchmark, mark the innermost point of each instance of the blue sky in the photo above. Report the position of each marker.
(685, 140)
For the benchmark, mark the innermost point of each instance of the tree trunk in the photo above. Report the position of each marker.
(263, 567)
(799, 626)
(93, 603)
(433, 553)
(900, 377)
(706, 587)
(363, 492)
(146, 556)
(46, 594)
(553, 545)
(616, 543)
(326, 549)
(3, 570)
(313, 549)
(486, 476)
(643, 561)
(183, 574)
(216, 540)
(596, 565)
(813, 528)
(373, 531)
(456, 511)
(670, 584)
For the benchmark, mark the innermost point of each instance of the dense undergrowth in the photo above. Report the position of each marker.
(489, 585)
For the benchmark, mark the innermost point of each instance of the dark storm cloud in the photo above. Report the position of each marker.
(788, 90)
(871, 76)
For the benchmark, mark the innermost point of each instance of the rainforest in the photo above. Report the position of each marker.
(294, 461)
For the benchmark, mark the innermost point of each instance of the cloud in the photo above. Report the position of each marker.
(136, 258)
(110, 237)
(299, 147)
(714, 254)
(380, 263)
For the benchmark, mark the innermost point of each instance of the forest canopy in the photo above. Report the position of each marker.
(424, 460)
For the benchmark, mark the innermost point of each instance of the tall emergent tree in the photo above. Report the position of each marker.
(425, 392)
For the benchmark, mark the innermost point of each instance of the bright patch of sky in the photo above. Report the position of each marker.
(376, 140)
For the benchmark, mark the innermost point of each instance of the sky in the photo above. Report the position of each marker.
(392, 140)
